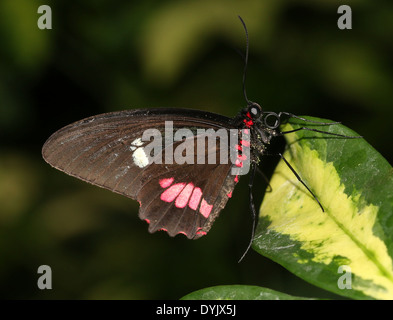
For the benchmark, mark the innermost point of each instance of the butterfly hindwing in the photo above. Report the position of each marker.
(185, 198)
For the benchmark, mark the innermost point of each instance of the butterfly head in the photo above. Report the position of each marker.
(251, 114)
(265, 125)
(254, 110)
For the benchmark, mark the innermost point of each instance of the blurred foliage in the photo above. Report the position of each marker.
(103, 56)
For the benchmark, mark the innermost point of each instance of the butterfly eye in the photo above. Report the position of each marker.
(271, 120)
(255, 110)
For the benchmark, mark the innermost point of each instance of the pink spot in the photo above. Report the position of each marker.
(246, 131)
(236, 179)
(165, 183)
(171, 193)
(238, 163)
(239, 147)
(229, 194)
(195, 198)
(245, 143)
(182, 198)
(205, 208)
(147, 220)
(242, 157)
(200, 232)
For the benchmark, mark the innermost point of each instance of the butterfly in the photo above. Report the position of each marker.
(109, 151)
(167, 159)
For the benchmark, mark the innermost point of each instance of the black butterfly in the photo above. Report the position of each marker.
(109, 150)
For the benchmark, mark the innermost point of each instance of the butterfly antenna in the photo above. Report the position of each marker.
(245, 61)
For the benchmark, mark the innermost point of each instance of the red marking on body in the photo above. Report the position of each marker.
(171, 193)
(182, 198)
(248, 123)
(195, 198)
(242, 157)
(205, 208)
(165, 183)
(229, 194)
(245, 143)
(248, 114)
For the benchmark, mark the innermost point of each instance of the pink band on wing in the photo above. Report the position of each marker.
(171, 193)
(165, 183)
(205, 208)
(195, 198)
(182, 198)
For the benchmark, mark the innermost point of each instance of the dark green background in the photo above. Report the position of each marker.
(106, 55)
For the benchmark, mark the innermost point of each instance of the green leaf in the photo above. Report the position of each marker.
(348, 248)
(239, 292)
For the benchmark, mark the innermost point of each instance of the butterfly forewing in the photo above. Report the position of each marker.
(107, 150)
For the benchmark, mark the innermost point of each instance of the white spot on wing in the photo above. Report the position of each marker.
(137, 142)
(140, 158)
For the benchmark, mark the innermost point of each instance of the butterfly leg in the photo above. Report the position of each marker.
(291, 115)
(269, 187)
(319, 131)
(300, 180)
